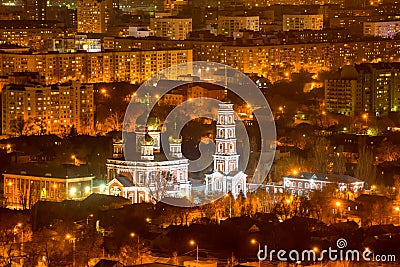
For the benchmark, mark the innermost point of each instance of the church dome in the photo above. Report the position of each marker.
(153, 124)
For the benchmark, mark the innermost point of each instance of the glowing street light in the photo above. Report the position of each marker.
(19, 225)
(365, 117)
(138, 246)
(192, 242)
(338, 205)
(74, 158)
(254, 241)
(72, 239)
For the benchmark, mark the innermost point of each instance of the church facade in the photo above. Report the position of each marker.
(226, 176)
(153, 177)
(149, 179)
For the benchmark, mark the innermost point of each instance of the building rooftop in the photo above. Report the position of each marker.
(337, 178)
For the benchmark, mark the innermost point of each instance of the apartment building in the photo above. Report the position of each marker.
(96, 16)
(385, 29)
(228, 25)
(114, 66)
(37, 109)
(172, 28)
(367, 87)
(301, 22)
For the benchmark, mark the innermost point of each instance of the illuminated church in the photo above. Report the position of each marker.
(152, 177)
(226, 176)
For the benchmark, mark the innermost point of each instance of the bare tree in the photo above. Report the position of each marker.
(321, 155)
(366, 170)
(339, 161)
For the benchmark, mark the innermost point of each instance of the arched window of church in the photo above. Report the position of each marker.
(221, 133)
(230, 148)
(221, 119)
(230, 119)
(230, 133)
(220, 148)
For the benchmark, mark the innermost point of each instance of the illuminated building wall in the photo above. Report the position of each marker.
(34, 36)
(47, 109)
(368, 87)
(303, 22)
(96, 16)
(132, 66)
(171, 28)
(229, 25)
(22, 191)
(34, 9)
(385, 29)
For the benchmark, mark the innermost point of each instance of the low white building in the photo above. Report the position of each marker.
(385, 29)
(304, 183)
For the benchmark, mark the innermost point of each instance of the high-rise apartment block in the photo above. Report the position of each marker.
(96, 16)
(300, 22)
(368, 87)
(171, 27)
(36, 109)
(34, 9)
(229, 25)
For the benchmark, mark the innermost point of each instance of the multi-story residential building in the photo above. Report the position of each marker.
(29, 33)
(96, 16)
(23, 190)
(34, 9)
(304, 183)
(228, 25)
(300, 22)
(385, 29)
(171, 27)
(71, 45)
(113, 66)
(367, 87)
(342, 95)
(31, 108)
(175, 5)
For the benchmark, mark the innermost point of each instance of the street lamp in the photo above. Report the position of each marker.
(87, 218)
(19, 225)
(74, 158)
(253, 241)
(365, 117)
(138, 246)
(72, 239)
(338, 205)
(192, 242)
